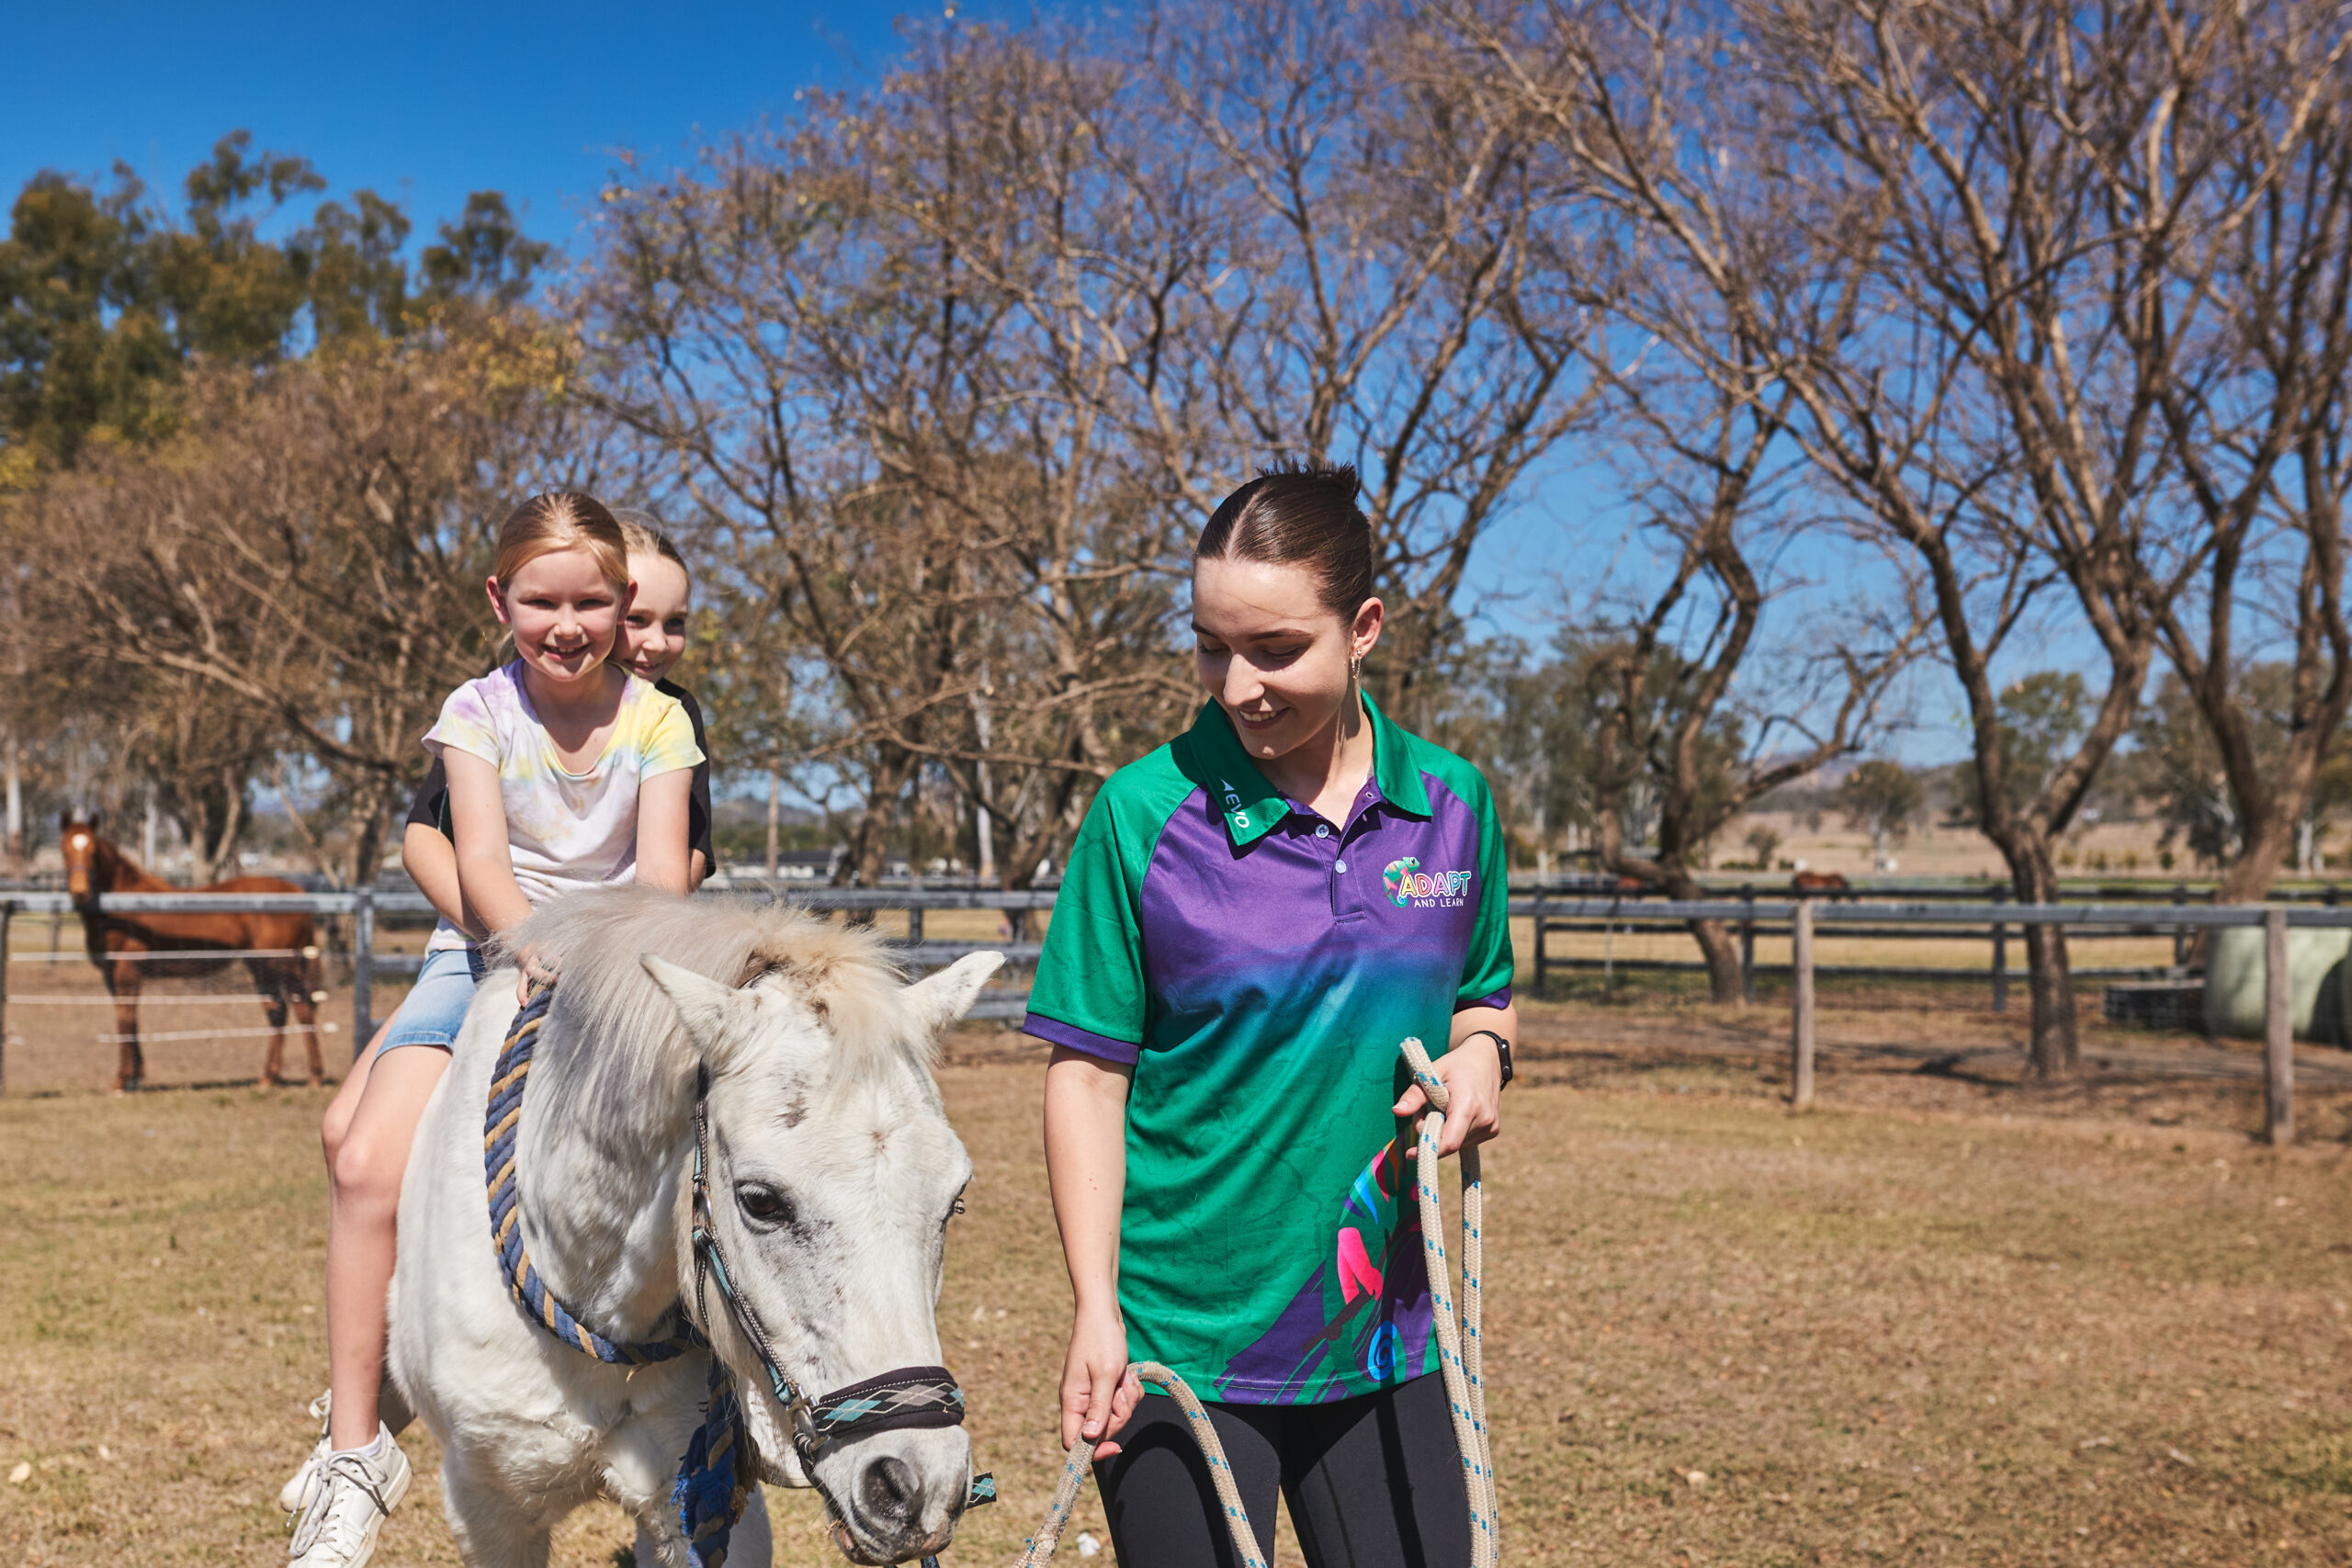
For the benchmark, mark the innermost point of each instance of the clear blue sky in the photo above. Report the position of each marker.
(425, 103)
(422, 102)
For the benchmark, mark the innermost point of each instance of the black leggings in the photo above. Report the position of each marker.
(1372, 1482)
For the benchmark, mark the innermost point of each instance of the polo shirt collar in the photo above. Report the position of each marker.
(1252, 806)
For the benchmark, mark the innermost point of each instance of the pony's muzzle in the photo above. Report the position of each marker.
(899, 1494)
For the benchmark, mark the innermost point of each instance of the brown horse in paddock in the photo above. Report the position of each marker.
(1811, 882)
(129, 949)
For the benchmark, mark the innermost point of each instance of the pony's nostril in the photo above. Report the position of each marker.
(890, 1493)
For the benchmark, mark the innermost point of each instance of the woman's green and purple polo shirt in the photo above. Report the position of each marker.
(1258, 965)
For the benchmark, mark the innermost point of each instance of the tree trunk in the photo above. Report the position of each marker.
(2054, 1049)
(372, 802)
(775, 784)
(2248, 877)
(1721, 948)
(1717, 944)
(15, 761)
(869, 845)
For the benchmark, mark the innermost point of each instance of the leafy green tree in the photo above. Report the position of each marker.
(482, 256)
(82, 343)
(106, 297)
(358, 282)
(2042, 717)
(1881, 797)
(2177, 768)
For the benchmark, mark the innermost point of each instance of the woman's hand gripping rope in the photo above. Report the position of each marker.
(1462, 1355)
(1078, 1462)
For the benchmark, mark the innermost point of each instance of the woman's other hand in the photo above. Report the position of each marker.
(1099, 1387)
(1473, 1076)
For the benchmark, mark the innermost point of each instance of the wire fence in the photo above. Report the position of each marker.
(1577, 941)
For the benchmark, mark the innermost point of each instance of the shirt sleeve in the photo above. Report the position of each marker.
(698, 797)
(669, 744)
(466, 725)
(1089, 993)
(432, 797)
(1487, 968)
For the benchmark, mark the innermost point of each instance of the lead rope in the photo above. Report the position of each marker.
(1079, 1460)
(1461, 1360)
(1462, 1355)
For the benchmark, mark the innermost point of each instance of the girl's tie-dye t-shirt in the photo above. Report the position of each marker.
(564, 830)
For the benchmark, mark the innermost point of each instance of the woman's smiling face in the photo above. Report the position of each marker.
(564, 612)
(1272, 653)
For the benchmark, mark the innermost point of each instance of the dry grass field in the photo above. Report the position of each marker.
(1947, 1318)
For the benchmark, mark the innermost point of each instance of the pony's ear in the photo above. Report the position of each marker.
(704, 1005)
(940, 999)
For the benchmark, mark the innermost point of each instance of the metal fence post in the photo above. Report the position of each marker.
(1801, 1045)
(363, 969)
(8, 913)
(2278, 1032)
(1539, 942)
(2000, 957)
(1748, 948)
(2180, 933)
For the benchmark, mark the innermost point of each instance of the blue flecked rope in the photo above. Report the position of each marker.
(1460, 1348)
(718, 1471)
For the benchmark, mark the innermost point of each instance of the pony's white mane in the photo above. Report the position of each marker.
(612, 1038)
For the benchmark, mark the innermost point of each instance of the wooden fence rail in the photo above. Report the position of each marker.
(1806, 920)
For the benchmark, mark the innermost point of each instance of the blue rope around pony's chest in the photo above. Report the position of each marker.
(715, 1473)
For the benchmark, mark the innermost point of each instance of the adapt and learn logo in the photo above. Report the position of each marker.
(1409, 886)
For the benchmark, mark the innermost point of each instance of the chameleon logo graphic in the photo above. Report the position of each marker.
(1405, 881)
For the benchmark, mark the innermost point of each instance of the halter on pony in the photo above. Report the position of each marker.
(721, 1465)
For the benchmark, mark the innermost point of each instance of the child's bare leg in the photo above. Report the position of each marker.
(337, 1121)
(366, 1180)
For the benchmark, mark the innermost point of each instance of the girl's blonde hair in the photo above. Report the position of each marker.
(562, 520)
(641, 532)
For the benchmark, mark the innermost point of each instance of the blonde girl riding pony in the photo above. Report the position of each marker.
(566, 770)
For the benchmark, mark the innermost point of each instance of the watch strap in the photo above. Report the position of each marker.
(1502, 1049)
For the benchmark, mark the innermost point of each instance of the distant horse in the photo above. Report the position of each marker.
(730, 1121)
(1819, 882)
(130, 949)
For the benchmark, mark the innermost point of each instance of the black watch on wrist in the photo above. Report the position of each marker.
(1502, 1049)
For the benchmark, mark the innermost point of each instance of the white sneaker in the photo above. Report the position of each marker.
(353, 1494)
(295, 1495)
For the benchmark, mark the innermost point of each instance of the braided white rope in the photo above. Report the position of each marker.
(1460, 1359)
(1079, 1460)
(1461, 1349)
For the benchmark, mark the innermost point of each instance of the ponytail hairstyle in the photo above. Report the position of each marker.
(641, 534)
(562, 520)
(1299, 513)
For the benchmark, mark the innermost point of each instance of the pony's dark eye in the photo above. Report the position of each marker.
(763, 1205)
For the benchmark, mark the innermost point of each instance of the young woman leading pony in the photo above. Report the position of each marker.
(565, 771)
(1253, 918)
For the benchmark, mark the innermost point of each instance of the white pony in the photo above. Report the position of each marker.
(831, 1175)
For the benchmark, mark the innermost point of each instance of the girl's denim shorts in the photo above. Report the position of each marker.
(437, 1004)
